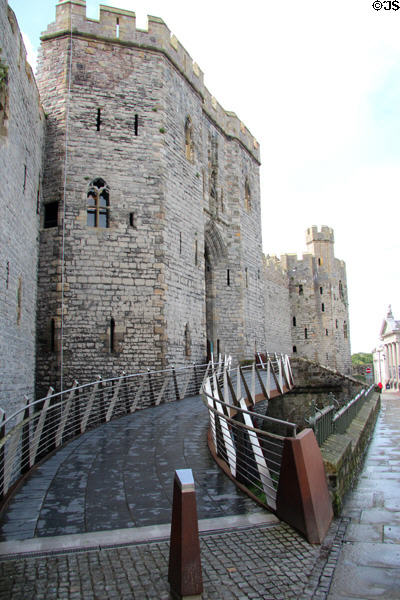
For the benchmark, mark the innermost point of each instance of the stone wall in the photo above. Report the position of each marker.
(313, 384)
(93, 277)
(183, 182)
(309, 376)
(343, 454)
(278, 336)
(319, 303)
(178, 270)
(22, 127)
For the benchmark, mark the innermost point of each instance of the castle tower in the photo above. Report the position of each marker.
(150, 234)
(320, 243)
(319, 303)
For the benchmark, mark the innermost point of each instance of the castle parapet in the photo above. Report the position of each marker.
(291, 262)
(324, 234)
(119, 26)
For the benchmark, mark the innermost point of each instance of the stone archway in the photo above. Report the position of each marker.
(215, 252)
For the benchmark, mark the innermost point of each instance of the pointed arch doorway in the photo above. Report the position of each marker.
(215, 252)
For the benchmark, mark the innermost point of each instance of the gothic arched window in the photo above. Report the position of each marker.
(98, 203)
(189, 139)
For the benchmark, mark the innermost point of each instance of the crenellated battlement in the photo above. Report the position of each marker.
(291, 262)
(324, 234)
(274, 270)
(119, 27)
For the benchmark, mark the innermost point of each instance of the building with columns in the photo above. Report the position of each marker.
(387, 353)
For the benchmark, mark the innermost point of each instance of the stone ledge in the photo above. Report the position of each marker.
(344, 453)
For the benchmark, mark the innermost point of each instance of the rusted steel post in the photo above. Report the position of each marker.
(184, 573)
(303, 498)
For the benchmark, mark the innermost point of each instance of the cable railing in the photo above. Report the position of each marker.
(329, 420)
(41, 427)
(249, 444)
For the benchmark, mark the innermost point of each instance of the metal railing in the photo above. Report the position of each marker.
(31, 433)
(249, 444)
(329, 420)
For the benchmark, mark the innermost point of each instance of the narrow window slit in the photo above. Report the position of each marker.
(38, 199)
(117, 28)
(112, 336)
(52, 335)
(50, 215)
(136, 125)
(98, 120)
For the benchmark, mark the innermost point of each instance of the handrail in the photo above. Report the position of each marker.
(328, 420)
(249, 444)
(107, 381)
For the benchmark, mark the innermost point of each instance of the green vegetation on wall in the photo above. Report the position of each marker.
(361, 358)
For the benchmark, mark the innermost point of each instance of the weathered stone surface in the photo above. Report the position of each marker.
(343, 453)
(179, 270)
(176, 210)
(318, 298)
(21, 142)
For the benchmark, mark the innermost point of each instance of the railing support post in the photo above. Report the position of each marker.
(177, 395)
(303, 498)
(184, 572)
(25, 439)
(151, 391)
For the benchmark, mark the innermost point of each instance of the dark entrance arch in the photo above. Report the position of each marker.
(215, 259)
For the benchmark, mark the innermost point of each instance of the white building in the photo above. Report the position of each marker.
(387, 353)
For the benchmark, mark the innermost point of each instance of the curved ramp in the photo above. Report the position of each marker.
(120, 475)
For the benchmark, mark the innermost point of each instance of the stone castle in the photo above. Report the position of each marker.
(131, 233)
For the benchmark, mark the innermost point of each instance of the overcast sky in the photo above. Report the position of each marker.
(318, 84)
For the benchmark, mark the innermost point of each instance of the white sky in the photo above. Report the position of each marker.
(318, 85)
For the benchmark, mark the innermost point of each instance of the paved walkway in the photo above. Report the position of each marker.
(240, 559)
(369, 563)
(120, 475)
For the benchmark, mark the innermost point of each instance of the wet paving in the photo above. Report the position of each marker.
(120, 475)
(369, 563)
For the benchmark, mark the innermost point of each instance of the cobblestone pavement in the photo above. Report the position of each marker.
(271, 562)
